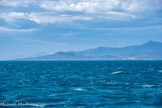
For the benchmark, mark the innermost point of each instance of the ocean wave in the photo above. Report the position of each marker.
(52, 95)
(117, 72)
(21, 82)
(37, 105)
(148, 86)
(79, 89)
(46, 85)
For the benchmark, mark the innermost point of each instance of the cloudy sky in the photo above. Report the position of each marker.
(32, 26)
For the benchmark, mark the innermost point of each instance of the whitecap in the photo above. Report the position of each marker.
(117, 72)
(79, 89)
(27, 80)
(103, 81)
(21, 82)
(137, 101)
(148, 86)
(92, 83)
(37, 105)
(52, 95)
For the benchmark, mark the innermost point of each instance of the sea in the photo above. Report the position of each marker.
(81, 84)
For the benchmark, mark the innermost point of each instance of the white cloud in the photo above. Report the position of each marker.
(54, 18)
(119, 16)
(121, 10)
(50, 17)
(90, 6)
(134, 5)
(16, 3)
(95, 6)
(63, 11)
(42, 18)
(12, 16)
(4, 29)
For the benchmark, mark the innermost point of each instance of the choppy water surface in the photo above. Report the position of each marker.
(82, 83)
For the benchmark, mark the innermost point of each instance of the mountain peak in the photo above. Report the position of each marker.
(150, 50)
(152, 43)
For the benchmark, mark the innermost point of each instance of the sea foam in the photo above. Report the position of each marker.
(148, 86)
(117, 72)
(79, 89)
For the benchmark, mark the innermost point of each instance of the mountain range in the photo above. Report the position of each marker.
(147, 51)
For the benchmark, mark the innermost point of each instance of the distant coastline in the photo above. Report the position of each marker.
(147, 51)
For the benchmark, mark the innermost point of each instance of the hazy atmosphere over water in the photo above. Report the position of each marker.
(30, 27)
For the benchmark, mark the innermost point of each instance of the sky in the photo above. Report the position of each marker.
(29, 27)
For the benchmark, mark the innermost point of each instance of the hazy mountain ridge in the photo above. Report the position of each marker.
(147, 51)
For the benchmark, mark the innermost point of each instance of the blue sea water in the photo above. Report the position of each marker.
(109, 84)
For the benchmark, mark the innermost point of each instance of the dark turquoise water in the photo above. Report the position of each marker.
(114, 84)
